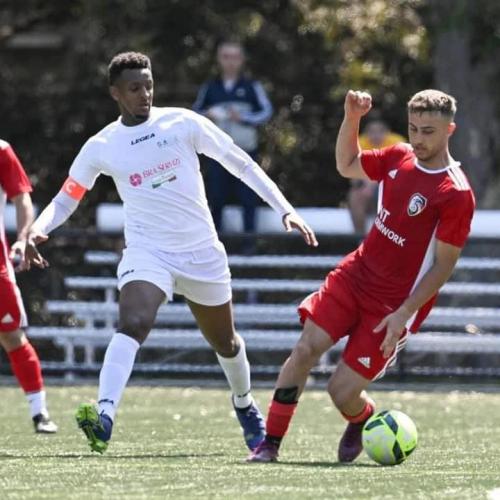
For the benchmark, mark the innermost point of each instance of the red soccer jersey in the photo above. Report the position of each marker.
(416, 207)
(13, 181)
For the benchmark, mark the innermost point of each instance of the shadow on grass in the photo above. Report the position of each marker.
(329, 465)
(112, 457)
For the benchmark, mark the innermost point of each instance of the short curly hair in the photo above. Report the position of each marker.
(433, 101)
(126, 60)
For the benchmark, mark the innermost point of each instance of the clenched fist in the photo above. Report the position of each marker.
(357, 103)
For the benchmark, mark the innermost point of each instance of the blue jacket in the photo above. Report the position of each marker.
(247, 97)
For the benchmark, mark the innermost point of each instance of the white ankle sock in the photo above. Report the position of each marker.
(37, 403)
(115, 372)
(237, 371)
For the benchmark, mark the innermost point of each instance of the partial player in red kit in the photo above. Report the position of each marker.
(385, 288)
(15, 185)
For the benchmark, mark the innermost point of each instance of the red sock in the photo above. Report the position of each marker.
(365, 414)
(278, 419)
(26, 367)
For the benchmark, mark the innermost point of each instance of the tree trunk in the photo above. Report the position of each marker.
(471, 84)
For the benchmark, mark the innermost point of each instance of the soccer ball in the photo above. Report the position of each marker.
(389, 437)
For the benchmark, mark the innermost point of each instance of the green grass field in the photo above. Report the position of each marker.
(185, 443)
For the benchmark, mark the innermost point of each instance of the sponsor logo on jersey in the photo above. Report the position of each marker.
(366, 362)
(162, 144)
(417, 204)
(393, 173)
(135, 180)
(387, 232)
(157, 175)
(142, 139)
(240, 92)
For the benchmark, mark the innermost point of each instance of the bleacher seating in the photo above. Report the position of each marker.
(271, 324)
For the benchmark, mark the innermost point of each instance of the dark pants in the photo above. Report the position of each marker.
(220, 185)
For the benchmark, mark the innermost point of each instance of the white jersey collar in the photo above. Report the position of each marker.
(437, 171)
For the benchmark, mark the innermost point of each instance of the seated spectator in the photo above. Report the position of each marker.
(362, 196)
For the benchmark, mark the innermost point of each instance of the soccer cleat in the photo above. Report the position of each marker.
(43, 424)
(350, 445)
(97, 428)
(266, 452)
(253, 425)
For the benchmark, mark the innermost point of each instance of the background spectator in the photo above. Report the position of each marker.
(362, 196)
(238, 105)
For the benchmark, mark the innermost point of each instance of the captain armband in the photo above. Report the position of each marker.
(73, 189)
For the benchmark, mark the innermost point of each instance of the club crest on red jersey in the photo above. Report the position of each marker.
(417, 204)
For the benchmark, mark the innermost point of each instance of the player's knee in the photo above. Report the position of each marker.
(136, 325)
(227, 346)
(342, 395)
(11, 341)
(305, 353)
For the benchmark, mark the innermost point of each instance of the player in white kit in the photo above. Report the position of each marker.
(171, 242)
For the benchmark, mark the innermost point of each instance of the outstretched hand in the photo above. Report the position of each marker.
(394, 324)
(293, 221)
(32, 255)
(17, 255)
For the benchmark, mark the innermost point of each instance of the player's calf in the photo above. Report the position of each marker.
(279, 416)
(346, 388)
(26, 367)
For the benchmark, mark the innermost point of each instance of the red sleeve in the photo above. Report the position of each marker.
(377, 162)
(455, 217)
(13, 178)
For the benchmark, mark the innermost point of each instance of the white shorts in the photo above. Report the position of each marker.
(202, 276)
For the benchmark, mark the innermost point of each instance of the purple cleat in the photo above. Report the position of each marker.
(266, 452)
(350, 445)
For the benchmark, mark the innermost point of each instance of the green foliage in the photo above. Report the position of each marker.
(307, 53)
(185, 443)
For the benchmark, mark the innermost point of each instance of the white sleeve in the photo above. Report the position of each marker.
(208, 139)
(241, 165)
(85, 167)
(84, 170)
(55, 213)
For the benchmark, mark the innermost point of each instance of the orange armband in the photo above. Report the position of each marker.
(73, 189)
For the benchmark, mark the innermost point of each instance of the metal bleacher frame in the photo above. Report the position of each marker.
(97, 319)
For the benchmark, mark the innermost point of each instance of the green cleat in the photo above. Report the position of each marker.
(97, 428)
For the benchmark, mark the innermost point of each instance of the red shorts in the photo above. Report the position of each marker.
(336, 308)
(12, 313)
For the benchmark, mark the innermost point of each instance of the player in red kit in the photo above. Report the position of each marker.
(15, 185)
(386, 287)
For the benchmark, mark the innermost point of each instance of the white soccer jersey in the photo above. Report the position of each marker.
(157, 174)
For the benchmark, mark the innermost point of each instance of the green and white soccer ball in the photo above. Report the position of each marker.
(389, 437)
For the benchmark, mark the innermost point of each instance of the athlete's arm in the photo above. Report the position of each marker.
(347, 149)
(210, 140)
(55, 213)
(241, 165)
(24, 219)
(446, 258)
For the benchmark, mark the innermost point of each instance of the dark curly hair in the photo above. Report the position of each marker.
(126, 60)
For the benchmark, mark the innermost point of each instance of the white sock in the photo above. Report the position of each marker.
(237, 371)
(115, 372)
(37, 403)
